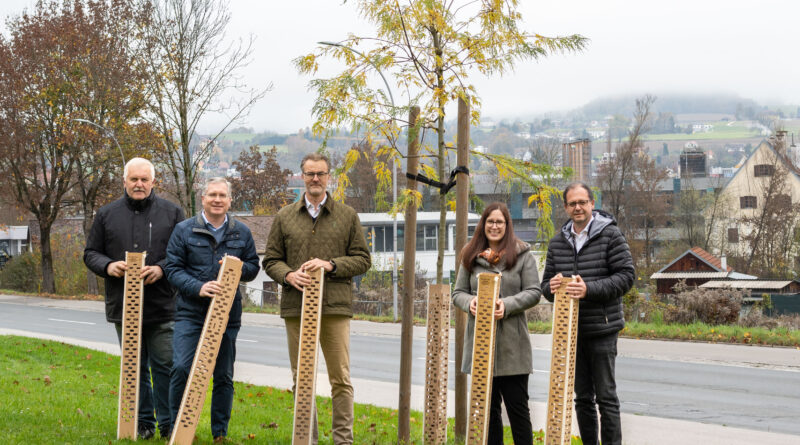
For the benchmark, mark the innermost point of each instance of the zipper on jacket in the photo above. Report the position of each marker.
(150, 235)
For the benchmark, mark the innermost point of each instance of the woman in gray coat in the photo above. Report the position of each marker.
(495, 249)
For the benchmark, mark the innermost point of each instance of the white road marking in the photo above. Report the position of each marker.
(70, 321)
(247, 341)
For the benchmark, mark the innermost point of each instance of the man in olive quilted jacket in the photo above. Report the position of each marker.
(314, 233)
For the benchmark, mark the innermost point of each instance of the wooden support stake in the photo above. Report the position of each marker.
(307, 354)
(562, 367)
(436, 364)
(482, 360)
(205, 359)
(130, 360)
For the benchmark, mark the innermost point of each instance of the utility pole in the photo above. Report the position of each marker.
(409, 287)
(462, 210)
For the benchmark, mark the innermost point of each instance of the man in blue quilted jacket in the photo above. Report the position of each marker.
(591, 248)
(194, 254)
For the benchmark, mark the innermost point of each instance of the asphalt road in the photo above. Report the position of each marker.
(738, 396)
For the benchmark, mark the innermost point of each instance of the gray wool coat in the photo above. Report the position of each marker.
(519, 290)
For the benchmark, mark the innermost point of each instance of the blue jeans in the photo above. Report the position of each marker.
(187, 335)
(156, 358)
(596, 387)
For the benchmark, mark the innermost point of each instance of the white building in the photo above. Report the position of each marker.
(379, 234)
(15, 240)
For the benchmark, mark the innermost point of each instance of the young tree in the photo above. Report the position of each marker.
(429, 50)
(191, 66)
(262, 186)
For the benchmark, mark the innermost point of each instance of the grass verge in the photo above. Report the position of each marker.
(698, 332)
(55, 393)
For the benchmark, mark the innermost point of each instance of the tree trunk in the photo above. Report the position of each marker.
(48, 277)
(92, 288)
(409, 287)
(462, 211)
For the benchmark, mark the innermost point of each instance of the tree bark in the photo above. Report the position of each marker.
(462, 211)
(48, 277)
(409, 286)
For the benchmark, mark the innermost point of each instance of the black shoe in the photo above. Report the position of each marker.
(146, 432)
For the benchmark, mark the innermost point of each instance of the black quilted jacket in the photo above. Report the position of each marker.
(604, 263)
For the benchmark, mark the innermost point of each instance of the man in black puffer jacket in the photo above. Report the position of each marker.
(591, 247)
(140, 221)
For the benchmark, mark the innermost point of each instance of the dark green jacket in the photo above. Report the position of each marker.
(335, 235)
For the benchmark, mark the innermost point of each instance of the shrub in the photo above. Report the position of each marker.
(22, 273)
(710, 306)
(540, 312)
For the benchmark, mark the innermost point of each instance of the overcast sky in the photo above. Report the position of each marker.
(658, 47)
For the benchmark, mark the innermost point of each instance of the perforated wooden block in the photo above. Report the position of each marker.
(205, 358)
(435, 413)
(562, 367)
(130, 357)
(482, 360)
(305, 386)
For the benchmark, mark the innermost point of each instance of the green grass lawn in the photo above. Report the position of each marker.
(237, 137)
(54, 393)
(737, 130)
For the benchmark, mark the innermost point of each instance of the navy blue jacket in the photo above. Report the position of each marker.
(193, 259)
(604, 263)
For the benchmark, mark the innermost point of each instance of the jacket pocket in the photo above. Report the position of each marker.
(234, 248)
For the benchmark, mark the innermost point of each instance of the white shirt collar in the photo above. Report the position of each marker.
(208, 223)
(585, 228)
(314, 211)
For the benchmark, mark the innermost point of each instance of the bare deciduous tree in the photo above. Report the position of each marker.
(191, 67)
(615, 178)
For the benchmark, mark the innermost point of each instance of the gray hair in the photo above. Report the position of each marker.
(139, 161)
(314, 156)
(217, 180)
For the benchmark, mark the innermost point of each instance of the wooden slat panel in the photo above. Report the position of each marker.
(562, 367)
(436, 365)
(205, 359)
(482, 360)
(307, 354)
(130, 358)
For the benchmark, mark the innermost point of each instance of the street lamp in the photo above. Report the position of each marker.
(394, 174)
(109, 132)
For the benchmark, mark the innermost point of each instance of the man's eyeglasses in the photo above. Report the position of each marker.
(320, 175)
(573, 204)
(495, 223)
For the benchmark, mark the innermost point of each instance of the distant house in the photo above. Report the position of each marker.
(696, 267)
(262, 288)
(14, 240)
(745, 193)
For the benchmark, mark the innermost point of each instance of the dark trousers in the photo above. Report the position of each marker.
(187, 335)
(596, 387)
(156, 357)
(513, 391)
